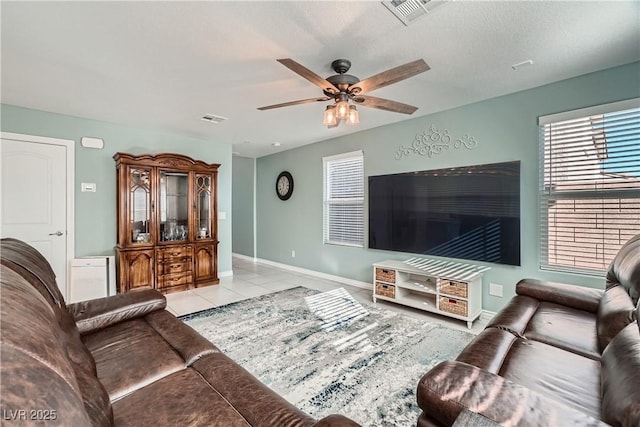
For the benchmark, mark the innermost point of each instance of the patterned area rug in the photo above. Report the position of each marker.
(326, 353)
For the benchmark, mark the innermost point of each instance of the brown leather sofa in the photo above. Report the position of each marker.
(121, 360)
(556, 355)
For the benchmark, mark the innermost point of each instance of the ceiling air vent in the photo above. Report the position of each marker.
(211, 118)
(408, 11)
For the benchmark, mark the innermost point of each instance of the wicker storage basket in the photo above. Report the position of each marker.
(454, 306)
(385, 290)
(451, 287)
(385, 275)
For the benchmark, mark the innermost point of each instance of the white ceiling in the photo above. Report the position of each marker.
(166, 64)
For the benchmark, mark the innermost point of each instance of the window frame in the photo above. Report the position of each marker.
(546, 185)
(327, 201)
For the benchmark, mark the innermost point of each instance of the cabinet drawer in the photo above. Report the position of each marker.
(454, 306)
(179, 265)
(177, 279)
(451, 287)
(385, 275)
(385, 290)
(175, 252)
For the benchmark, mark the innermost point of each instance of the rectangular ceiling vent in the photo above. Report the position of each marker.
(408, 11)
(211, 118)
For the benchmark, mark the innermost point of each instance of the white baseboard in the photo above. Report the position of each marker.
(487, 315)
(243, 257)
(339, 279)
(227, 273)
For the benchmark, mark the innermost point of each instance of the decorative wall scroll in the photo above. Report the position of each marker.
(435, 141)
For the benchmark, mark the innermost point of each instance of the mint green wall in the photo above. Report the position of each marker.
(243, 209)
(505, 128)
(95, 213)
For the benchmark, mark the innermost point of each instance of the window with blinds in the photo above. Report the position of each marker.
(589, 186)
(344, 199)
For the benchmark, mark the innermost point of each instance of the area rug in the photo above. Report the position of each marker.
(326, 353)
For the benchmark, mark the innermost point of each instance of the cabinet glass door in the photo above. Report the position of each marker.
(203, 206)
(174, 206)
(139, 204)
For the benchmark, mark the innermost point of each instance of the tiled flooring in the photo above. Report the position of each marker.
(254, 279)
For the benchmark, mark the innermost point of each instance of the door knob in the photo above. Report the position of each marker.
(57, 233)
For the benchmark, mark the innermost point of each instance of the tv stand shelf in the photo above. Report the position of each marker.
(449, 288)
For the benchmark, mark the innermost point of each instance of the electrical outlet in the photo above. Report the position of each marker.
(495, 290)
(293, 254)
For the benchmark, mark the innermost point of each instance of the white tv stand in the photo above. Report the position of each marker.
(449, 288)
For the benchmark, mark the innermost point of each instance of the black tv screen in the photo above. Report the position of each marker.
(469, 212)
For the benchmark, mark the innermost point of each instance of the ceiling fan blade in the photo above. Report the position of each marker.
(309, 75)
(301, 101)
(388, 77)
(384, 104)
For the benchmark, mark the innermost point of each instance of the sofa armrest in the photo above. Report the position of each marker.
(336, 421)
(102, 312)
(578, 297)
(451, 387)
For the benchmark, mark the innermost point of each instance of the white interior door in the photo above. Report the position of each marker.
(35, 198)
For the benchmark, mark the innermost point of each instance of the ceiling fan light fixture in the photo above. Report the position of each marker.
(330, 115)
(354, 116)
(342, 110)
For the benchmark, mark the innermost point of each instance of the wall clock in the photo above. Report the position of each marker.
(284, 185)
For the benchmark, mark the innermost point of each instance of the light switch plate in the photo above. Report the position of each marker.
(222, 215)
(89, 187)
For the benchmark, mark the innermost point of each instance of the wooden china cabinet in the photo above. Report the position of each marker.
(167, 222)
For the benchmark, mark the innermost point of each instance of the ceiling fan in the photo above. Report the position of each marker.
(344, 88)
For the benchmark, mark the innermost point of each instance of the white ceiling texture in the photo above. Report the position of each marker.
(164, 65)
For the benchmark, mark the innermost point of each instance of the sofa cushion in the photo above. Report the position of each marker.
(94, 398)
(131, 355)
(566, 328)
(185, 340)
(578, 297)
(28, 257)
(565, 376)
(453, 387)
(183, 398)
(36, 373)
(21, 386)
(89, 316)
(23, 292)
(625, 269)
(488, 349)
(570, 378)
(621, 378)
(257, 403)
(562, 326)
(515, 316)
(32, 267)
(616, 310)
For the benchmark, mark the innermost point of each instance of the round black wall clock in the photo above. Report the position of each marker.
(284, 185)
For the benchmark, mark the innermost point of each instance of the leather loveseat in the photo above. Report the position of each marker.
(121, 360)
(556, 355)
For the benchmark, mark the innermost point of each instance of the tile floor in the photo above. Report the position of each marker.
(254, 279)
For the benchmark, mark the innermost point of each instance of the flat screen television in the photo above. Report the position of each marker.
(469, 212)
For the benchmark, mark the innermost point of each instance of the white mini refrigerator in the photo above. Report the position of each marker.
(92, 277)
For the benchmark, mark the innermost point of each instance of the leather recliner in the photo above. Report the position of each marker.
(556, 355)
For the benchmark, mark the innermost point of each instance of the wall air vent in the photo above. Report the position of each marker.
(408, 11)
(211, 118)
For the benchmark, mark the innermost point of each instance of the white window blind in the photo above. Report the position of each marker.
(589, 186)
(344, 199)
